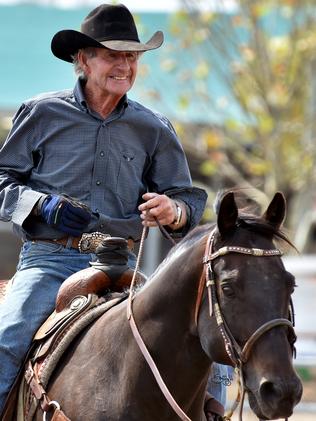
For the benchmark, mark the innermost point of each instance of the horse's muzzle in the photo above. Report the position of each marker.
(276, 398)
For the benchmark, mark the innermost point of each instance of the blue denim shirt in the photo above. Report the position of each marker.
(58, 145)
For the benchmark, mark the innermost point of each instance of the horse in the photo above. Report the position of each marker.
(221, 295)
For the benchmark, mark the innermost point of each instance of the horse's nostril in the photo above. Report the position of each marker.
(277, 398)
(269, 391)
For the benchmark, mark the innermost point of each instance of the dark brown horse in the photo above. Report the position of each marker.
(104, 376)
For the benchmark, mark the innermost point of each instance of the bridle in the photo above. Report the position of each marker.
(239, 356)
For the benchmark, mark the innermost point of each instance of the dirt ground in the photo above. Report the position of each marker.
(298, 416)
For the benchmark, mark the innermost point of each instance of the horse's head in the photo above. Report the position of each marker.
(251, 306)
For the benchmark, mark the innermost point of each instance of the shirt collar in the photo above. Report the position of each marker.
(79, 95)
(123, 103)
(80, 98)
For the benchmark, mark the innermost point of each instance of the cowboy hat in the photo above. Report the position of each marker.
(106, 26)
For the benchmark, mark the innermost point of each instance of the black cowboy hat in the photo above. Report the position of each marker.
(109, 26)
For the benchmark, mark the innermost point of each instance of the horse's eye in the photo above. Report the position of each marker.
(228, 291)
(291, 282)
(292, 289)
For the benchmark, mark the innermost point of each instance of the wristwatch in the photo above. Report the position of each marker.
(178, 217)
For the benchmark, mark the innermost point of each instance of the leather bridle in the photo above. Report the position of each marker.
(237, 355)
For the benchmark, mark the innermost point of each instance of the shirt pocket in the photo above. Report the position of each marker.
(129, 183)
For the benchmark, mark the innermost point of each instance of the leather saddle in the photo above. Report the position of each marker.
(81, 292)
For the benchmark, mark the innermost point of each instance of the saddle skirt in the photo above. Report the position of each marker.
(51, 341)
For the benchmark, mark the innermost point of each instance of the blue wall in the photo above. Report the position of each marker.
(28, 66)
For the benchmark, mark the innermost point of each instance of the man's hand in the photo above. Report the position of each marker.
(65, 214)
(159, 206)
(213, 409)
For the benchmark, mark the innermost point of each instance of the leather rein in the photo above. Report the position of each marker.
(237, 355)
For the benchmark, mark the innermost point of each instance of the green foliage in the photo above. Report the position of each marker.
(264, 53)
(305, 373)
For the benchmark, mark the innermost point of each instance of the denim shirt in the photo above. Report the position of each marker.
(57, 145)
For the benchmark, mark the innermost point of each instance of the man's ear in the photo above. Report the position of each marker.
(82, 60)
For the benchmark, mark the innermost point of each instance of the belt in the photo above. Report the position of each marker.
(87, 243)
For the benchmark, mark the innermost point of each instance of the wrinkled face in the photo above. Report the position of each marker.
(111, 72)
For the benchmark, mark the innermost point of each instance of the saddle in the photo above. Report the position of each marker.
(109, 273)
(51, 341)
(82, 298)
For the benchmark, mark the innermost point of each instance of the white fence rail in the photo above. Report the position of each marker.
(304, 298)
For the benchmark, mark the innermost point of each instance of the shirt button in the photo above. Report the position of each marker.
(101, 153)
(102, 226)
(98, 183)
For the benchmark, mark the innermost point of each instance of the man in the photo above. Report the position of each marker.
(80, 161)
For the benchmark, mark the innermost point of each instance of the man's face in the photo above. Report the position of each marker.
(111, 72)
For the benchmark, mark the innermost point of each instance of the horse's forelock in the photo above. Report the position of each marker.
(259, 225)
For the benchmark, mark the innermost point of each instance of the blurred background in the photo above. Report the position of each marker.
(238, 81)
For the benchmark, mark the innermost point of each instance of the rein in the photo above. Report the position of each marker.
(237, 355)
(137, 336)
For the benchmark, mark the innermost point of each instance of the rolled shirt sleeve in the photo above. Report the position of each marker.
(17, 199)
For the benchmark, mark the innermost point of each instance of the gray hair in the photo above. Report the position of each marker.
(89, 52)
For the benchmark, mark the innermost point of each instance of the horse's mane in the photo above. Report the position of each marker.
(246, 219)
(259, 225)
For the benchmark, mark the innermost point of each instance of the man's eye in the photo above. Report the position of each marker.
(109, 55)
(132, 56)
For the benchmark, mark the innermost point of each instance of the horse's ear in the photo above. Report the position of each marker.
(275, 214)
(227, 214)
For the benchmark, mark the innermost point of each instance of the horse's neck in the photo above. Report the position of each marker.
(164, 313)
(173, 288)
(168, 301)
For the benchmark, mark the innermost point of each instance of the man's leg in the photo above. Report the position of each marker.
(31, 299)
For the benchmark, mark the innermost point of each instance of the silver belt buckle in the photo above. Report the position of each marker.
(90, 242)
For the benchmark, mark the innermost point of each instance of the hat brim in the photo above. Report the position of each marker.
(67, 42)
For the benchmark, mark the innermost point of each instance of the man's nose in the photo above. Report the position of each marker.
(123, 61)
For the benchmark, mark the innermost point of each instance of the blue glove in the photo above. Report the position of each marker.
(65, 214)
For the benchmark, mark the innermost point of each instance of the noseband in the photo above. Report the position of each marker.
(238, 355)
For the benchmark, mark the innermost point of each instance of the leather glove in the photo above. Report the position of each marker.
(213, 409)
(65, 214)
